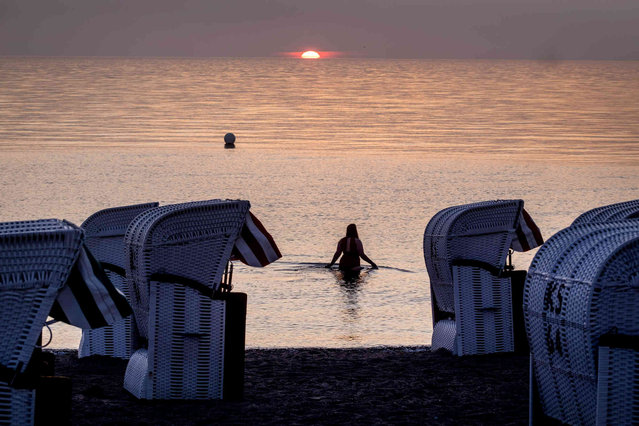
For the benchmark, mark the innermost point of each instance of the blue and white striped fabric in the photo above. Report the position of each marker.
(89, 299)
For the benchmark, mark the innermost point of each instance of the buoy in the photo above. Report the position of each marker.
(229, 140)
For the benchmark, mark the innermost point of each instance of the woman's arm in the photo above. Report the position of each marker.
(338, 252)
(360, 249)
(373, 265)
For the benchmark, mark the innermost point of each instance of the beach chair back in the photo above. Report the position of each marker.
(36, 258)
(176, 256)
(581, 285)
(104, 236)
(481, 232)
(610, 213)
(465, 249)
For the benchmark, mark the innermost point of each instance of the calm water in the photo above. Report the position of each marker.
(320, 144)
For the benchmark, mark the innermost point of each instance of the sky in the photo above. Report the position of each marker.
(434, 29)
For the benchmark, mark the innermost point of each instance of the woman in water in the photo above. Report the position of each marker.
(351, 249)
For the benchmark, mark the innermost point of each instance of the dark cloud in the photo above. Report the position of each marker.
(378, 28)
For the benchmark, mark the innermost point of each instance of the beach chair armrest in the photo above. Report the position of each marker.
(497, 272)
(203, 289)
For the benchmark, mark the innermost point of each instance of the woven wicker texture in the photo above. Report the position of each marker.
(185, 330)
(444, 334)
(581, 284)
(104, 236)
(483, 312)
(17, 406)
(36, 258)
(610, 213)
(479, 232)
(136, 377)
(617, 389)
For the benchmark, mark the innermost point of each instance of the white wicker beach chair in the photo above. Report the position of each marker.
(36, 258)
(610, 213)
(465, 249)
(104, 236)
(582, 285)
(176, 256)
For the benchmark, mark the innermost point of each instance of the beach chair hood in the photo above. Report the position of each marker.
(581, 285)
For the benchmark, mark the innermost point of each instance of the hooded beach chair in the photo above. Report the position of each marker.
(581, 307)
(466, 249)
(36, 258)
(610, 213)
(194, 332)
(104, 236)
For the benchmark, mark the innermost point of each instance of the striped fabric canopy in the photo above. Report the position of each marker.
(527, 235)
(89, 299)
(255, 246)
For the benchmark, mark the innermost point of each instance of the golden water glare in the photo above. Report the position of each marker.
(382, 143)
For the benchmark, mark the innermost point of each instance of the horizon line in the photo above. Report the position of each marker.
(333, 55)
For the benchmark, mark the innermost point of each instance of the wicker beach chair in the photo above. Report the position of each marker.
(610, 213)
(465, 249)
(176, 256)
(36, 258)
(104, 236)
(581, 286)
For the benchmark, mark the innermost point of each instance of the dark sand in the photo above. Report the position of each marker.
(322, 386)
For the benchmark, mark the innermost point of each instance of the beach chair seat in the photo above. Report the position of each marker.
(104, 236)
(176, 256)
(465, 250)
(610, 213)
(36, 258)
(581, 286)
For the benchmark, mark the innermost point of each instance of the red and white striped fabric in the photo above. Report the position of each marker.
(527, 235)
(255, 246)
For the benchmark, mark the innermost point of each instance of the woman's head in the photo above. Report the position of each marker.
(351, 231)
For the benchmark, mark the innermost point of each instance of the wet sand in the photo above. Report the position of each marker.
(395, 385)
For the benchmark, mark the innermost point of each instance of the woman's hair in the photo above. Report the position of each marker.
(351, 231)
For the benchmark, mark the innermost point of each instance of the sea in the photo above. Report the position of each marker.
(320, 144)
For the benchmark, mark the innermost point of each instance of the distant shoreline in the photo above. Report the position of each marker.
(321, 386)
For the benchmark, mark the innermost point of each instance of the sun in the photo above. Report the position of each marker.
(310, 54)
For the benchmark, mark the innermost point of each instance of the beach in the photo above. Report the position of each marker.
(380, 385)
(382, 143)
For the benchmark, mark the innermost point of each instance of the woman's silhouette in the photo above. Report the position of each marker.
(351, 249)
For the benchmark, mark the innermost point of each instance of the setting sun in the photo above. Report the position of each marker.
(310, 54)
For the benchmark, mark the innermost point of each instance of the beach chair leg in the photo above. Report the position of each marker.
(536, 414)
